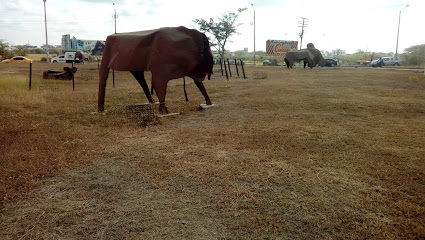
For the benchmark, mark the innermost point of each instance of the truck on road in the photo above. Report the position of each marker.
(70, 57)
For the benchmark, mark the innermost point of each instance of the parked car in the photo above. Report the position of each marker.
(374, 63)
(17, 59)
(387, 61)
(390, 61)
(331, 62)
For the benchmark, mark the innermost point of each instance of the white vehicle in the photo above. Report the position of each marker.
(60, 59)
(386, 61)
(70, 57)
(390, 61)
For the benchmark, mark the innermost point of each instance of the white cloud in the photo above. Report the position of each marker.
(333, 24)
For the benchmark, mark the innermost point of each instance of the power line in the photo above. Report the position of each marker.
(55, 21)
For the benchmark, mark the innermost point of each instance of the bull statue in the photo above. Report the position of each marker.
(169, 53)
(66, 74)
(310, 55)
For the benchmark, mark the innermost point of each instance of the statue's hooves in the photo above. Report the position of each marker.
(168, 114)
(205, 106)
(100, 113)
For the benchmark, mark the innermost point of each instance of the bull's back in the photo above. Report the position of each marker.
(166, 49)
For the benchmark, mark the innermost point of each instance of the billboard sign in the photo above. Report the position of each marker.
(280, 47)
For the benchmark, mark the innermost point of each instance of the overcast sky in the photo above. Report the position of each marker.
(370, 25)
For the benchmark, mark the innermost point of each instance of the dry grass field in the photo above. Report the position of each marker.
(323, 153)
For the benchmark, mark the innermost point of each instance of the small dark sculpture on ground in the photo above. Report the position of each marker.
(66, 74)
(310, 55)
(169, 53)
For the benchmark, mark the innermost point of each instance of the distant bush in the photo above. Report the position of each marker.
(413, 59)
(274, 62)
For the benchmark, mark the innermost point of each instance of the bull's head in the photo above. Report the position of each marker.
(210, 63)
(208, 60)
(205, 64)
(322, 62)
(70, 70)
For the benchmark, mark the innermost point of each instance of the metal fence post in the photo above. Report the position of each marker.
(243, 70)
(30, 75)
(236, 64)
(228, 65)
(225, 68)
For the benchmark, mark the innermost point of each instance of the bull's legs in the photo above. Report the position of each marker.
(287, 63)
(201, 87)
(311, 64)
(140, 77)
(160, 87)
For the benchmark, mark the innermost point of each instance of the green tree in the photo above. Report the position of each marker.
(414, 55)
(36, 51)
(4, 53)
(21, 50)
(56, 51)
(221, 30)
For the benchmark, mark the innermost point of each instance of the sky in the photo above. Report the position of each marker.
(331, 24)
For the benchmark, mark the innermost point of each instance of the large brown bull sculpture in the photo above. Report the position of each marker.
(310, 55)
(169, 53)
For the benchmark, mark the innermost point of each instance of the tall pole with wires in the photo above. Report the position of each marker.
(45, 27)
(254, 31)
(303, 23)
(398, 31)
(115, 20)
(115, 16)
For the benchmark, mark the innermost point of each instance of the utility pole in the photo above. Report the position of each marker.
(115, 20)
(45, 26)
(398, 31)
(304, 24)
(115, 16)
(254, 31)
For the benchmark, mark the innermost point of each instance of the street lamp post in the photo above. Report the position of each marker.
(45, 26)
(398, 31)
(254, 31)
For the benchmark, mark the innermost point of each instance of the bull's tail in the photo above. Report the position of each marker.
(103, 76)
(184, 89)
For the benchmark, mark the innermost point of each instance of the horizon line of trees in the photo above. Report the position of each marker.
(22, 50)
(414, 55)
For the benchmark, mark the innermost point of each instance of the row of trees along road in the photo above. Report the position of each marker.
(226, 26)
(21, 50)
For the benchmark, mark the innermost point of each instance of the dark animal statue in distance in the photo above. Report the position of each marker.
(310, 55)
(66, 74)
(169, 53)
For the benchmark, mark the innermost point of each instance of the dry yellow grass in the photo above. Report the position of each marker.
(38, 57)
(303, 154)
